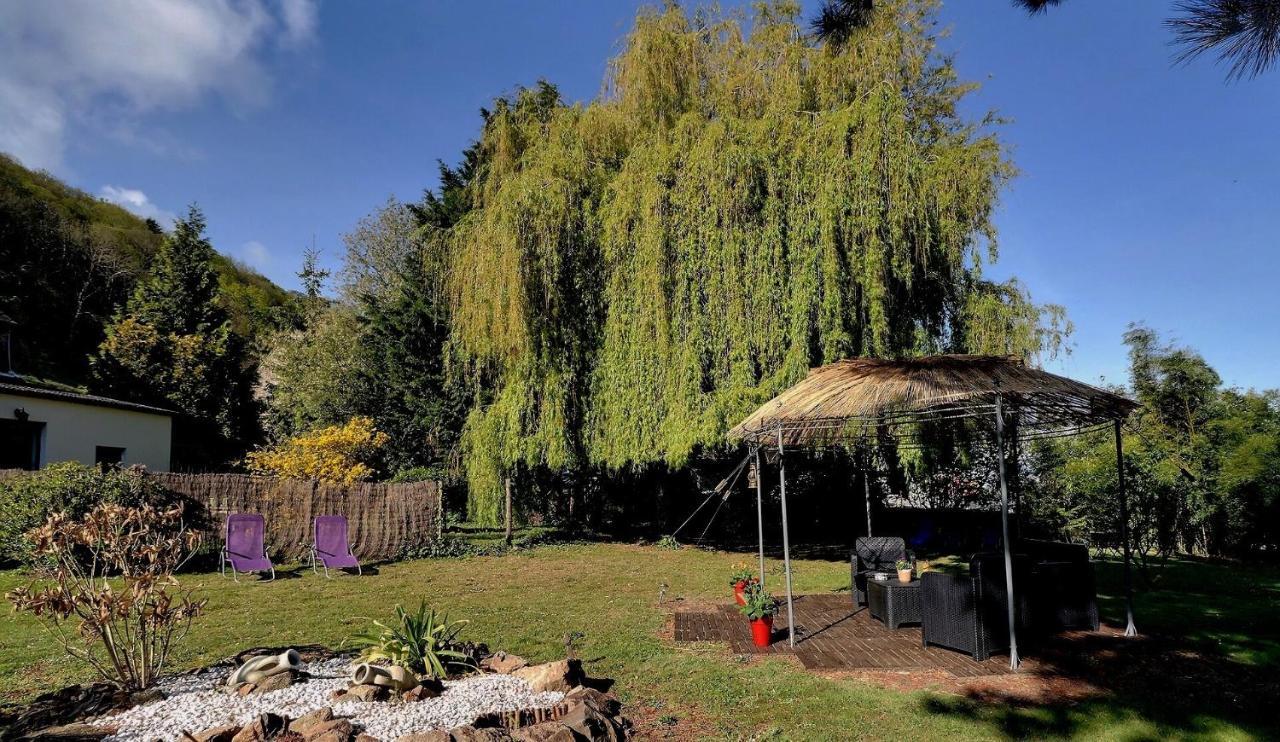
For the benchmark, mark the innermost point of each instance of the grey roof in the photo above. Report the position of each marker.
(22, 390)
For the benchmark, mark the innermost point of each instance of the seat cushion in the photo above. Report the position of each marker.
(337, 561)
(243, 563)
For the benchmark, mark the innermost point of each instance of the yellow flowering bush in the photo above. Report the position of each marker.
(338, 453)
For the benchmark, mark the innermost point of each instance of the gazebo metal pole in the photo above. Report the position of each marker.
(1129, 629)
(1004, 523)
(760, 512)
(866, 489)
(1017, 478)
(786, 542)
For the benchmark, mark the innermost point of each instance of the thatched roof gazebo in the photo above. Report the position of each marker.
(853, 401)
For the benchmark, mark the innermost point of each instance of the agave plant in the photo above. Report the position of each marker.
(423, 641)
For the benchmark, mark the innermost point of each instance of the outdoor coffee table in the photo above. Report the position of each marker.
(894, 602)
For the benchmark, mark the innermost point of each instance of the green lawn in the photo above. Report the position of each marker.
(528, 601)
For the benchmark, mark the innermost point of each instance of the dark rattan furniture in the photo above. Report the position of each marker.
(873, 554)
(1063, 589)
(894, 602)
(969, 612)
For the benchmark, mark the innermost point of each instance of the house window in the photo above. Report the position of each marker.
(20, 444)
(108, 456)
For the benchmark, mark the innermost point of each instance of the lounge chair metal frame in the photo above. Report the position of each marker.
(224, 559)
(325, 567)
(316, 553)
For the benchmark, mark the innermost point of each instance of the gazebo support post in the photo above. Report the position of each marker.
(1004, 523)
(760, 512)
(866, 488)
(1017, 479)
(1129, 629)
(786, 542)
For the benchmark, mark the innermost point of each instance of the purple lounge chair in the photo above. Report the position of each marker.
(245, 549)
(331, 548)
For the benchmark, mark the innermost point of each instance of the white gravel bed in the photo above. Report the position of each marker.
(200, 701)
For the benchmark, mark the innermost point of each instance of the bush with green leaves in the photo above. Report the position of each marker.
(759, 604)
(424, 641)
(445, 547)
(105, 589)
(741, 573)
(26, 500)
(420, 474)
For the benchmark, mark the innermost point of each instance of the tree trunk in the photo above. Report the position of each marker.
(508, 511)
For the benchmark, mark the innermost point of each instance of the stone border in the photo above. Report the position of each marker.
(587, 712)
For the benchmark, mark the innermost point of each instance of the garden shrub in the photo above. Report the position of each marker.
(420, 474)
(423, 641)
(26, 500)
(338, 453)
(105, 588)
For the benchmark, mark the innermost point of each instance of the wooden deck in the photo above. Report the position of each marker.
(831, 635)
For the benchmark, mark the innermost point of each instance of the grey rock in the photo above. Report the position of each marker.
(262, 728)
(304, 723)
(503, 663)
(368, 693)
(562, 676)
(279, 681)
(334, 730)
(585, 720)
(434, 735)
(547, 731)
(73, 733)
(224, 733)
(602, 702)
(471, 734)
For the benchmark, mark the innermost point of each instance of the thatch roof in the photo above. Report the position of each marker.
(848, 399)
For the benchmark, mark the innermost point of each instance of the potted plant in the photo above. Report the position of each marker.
(904, 570)
(739, 579)
(759, 608)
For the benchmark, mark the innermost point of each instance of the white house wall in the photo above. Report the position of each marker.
(72, 431)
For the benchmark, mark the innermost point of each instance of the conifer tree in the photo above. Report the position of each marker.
(405, 386)
(179, 294)
(172, 344)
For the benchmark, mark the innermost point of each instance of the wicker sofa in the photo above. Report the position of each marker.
(873, 554)
(1064, 593)
(969, 612)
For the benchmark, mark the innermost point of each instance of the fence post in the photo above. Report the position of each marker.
(439, 511)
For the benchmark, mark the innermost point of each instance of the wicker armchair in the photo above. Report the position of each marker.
(873, 554)
(969, 613)
(1065, 594)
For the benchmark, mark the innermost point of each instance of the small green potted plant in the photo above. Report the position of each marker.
(904, 570)
(759, 608)
(739, 579)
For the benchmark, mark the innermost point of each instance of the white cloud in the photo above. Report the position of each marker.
(136, 201)
(300, 20)
(255, 254)
(64, 62)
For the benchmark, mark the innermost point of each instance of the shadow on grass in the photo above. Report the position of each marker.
(1175, 691)
(1208, 659)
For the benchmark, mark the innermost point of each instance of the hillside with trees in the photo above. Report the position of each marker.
(69, 261)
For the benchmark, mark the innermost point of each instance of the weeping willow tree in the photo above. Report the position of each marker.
(739, 204)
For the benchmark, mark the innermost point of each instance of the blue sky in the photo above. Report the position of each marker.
(1147, 192)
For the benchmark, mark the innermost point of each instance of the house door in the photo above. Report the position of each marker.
(20, 444)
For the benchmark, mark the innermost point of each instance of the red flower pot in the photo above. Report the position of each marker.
(762, 631)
